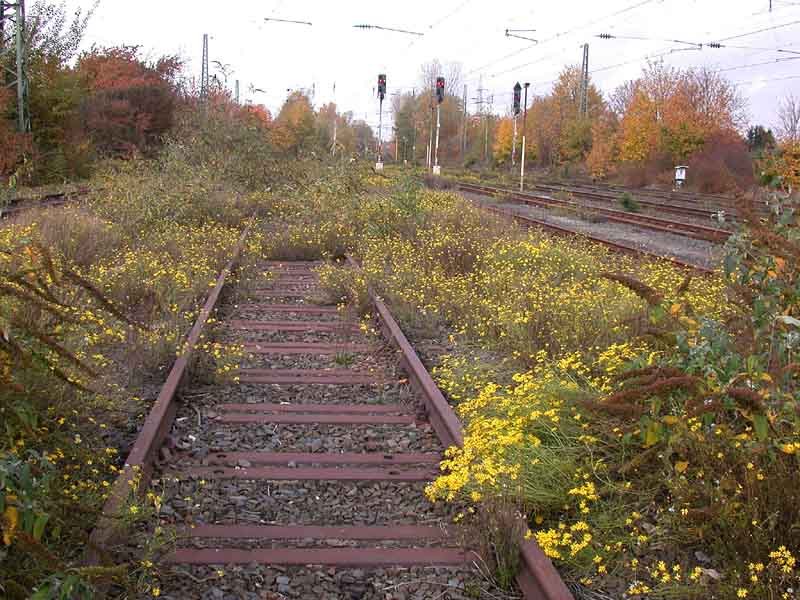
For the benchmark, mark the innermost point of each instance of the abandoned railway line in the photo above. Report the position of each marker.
(688, 246)
(17, 206)
(306, 472)
(692, 230)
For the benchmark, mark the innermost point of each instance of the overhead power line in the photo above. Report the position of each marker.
(388, 29)
(450, 14)
(441, 20)
(562, 34)
(770, 80)
(759, 64)
(515, 34)
(667, 51)
(783, 50)
(608, 36)
(749, 33)
(287, 21)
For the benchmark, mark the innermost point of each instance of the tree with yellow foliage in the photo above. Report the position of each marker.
(639, 130)
(503, 141)
(604, 146)
(294, 128)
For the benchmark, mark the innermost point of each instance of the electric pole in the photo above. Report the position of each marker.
(437, 170)
(413, 127)
(584, 89)
(429, 161)
(237, 91)
(335, 122)
(381, 95)
(515, 111)
(486, 129)
(524, 122)
(482, 112)
(204, 73)
(464, 132)
(13, 41)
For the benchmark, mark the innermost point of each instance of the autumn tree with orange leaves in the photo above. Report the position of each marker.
(676, 111)
(131, 103)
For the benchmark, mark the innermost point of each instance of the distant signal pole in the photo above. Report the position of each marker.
(516, 110)
(381, 95)
(437, 170)
(464, 132)
(524, 120)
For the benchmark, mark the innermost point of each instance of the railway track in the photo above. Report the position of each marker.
(308, 474)
(19, 205)
(665, 203)
(694, 231)
(691, 198)
(527, 221)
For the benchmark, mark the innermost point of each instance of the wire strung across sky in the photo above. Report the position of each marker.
(667, 51)
(561, 34)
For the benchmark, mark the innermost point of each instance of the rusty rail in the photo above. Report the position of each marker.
(616, 246)
(538, 578)
(16, 206)
(139, 463)
(699, 232)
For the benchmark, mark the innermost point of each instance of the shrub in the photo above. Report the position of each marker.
(629, 203)
(722, 165)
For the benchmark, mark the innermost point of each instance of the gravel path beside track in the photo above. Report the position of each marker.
(694, 251)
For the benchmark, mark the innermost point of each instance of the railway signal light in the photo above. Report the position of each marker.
(517, 98)
(381, 86)
(440, 89)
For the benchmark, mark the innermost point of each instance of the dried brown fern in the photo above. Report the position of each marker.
(650, 295)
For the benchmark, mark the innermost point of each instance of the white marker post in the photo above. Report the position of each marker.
(437, 170)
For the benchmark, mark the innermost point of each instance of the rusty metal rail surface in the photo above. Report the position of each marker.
(663, 202)
(19, 205)
(526, 221)
(139, 463)
(700, 232)
(538, 578)
(717, 200)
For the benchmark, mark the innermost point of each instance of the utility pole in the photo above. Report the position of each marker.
(204, 73)
(237, 91)
(584, 90)
(464, 130)
(413, 127)
(437, 170)
(381, 95)
(486, 129)
(429, 161)
(481, 110)
(335, 123)
(524, 122)
(13, 41)
(515, 111)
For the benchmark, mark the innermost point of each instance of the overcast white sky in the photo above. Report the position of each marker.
(276, 56)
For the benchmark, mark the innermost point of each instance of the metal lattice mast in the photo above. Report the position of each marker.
(13, 54)
(584, 98)
(205, 72)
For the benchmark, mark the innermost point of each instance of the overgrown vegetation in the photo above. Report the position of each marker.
(112, 102)
(95, 300)
(645, 421)
(629, 203)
